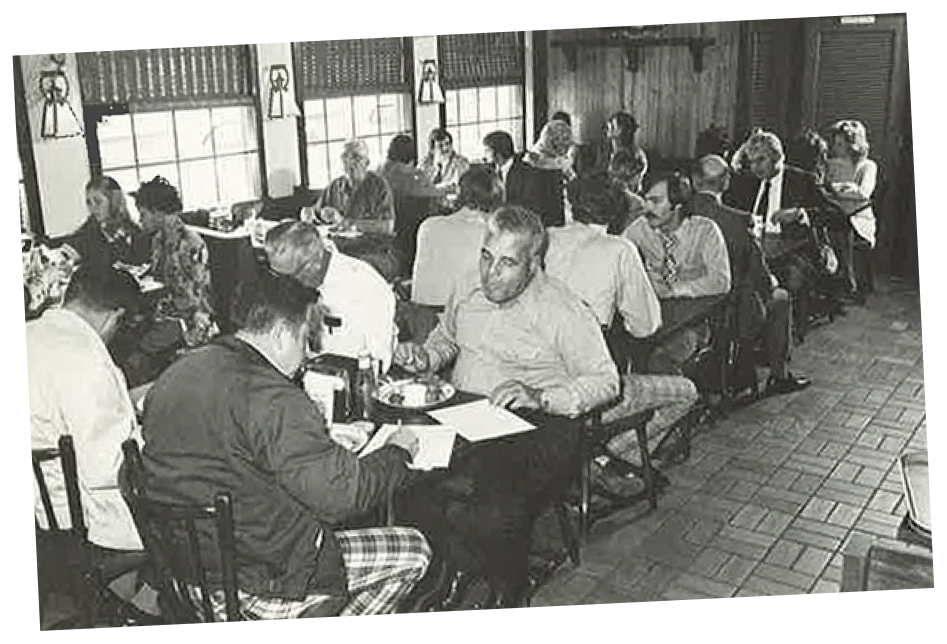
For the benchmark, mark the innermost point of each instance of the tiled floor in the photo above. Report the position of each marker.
(771, 493)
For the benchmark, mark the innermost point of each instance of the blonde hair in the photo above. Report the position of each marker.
(855, 136)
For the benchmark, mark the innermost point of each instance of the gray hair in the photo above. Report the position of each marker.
(712, 173)
(765, 142)
(520, 221)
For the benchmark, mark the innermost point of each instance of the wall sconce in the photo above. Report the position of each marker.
(430, 91)
(282, 102)
(59, 119)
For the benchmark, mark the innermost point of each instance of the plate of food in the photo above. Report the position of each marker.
(421, 392)
(352, 437)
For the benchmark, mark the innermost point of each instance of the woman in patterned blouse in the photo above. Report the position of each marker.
(178, 260)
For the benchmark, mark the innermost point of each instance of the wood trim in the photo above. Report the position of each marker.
(259, 108)
(540, 80)
(24, 142)
(301, 121)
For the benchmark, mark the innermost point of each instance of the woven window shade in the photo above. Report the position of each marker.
(352, 67)
(166, 77)
(764, 111)
(475, 60)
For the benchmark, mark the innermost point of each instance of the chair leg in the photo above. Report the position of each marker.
(569, 536)
(585, 493)
(647, 466)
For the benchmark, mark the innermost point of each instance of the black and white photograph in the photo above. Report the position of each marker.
(539, 311)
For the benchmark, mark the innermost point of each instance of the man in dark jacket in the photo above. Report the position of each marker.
(524, 185)
(761, 306)
(229, 417)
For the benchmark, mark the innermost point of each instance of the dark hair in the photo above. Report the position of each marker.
(595, 200)
(518, 220)
(104, 289)
(438, 134)
(402, 149)
(562, 116)
(158, 195)
(102, 183)
(269, 299)
(627, 126)
(500, 142)
(480, 189)
(679, 186)
(808, 150)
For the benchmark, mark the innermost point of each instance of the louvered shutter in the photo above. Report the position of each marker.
(481, 60)
(764, 111)
(352, 67)
(162, 78)
(854, 78)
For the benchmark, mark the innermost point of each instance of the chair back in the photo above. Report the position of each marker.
(65, 452)
(170, 535)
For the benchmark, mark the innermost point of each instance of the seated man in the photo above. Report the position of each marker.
(685, 256)
(522, 338)
(781, 198)
(449, 247)
(753, 284)
(75, 389)
(358, 305)
(229, 417)
(606, 272)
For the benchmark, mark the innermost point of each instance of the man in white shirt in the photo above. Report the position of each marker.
(607, 274)
(358, 305)
(75, 389)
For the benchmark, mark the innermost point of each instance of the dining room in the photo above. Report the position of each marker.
(473, 321)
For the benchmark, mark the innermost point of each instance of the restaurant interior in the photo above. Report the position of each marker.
(770, 481)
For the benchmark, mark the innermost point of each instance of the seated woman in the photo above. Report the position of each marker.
(415, 197)
(184, 315)
(359, 199)
(851, 177)
(620, 135)
(624, 172)
(108, 235)
(442, 165)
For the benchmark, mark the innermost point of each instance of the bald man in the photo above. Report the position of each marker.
(762, 307)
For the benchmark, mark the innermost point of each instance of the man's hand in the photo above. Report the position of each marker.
(405, 439)
(412, 357)
(515, 395)
(789, 215)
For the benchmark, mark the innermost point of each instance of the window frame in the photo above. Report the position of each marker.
(454, 128)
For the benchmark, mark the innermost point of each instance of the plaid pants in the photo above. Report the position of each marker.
(382, 565)
(671, 397)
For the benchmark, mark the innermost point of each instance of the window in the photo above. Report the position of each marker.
(210, 153)
(330, 122)
(24, 205)
(474, 112)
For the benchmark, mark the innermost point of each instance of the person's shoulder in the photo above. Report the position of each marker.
(352, 267)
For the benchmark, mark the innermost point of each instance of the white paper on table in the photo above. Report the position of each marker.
(435, 444)
(480, 421)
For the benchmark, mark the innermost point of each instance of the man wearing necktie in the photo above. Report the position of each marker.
(781, 198)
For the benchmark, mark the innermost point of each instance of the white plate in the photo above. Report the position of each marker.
(402, 388)
(351, 437)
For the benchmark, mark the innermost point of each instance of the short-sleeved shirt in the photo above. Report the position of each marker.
(371, 200)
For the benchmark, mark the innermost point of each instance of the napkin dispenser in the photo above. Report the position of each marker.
(341, 373)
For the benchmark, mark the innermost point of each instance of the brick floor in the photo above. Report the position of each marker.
(771, 492)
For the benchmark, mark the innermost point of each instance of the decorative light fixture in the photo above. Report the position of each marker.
(280, 96)
(59, 119)
(430, 91)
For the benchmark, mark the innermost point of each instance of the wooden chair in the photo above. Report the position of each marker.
(881, 564)
(60, 549)
(170, 534)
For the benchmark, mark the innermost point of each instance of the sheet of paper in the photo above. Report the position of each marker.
(480, 421)
(435, 444)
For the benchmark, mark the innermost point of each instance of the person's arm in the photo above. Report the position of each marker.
(867, 179)
(712, 249)
(329, 480)
(441, 344)
(637, 301)
(379, 320)
(592, 377)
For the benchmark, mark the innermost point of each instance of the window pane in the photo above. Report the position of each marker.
(115, 141)
(366, 115)
(127, 179)
(194, 133)
(488, 103)
(239, 178)
(452, 107)
(198, 184)
(515, 128)
(318, 165)
(154, 135)
(467, 105)
(339, 112)
(470, 139)
(510, 103)
(24, 212)
(377, 150)
(234, 129)
(315, 120)
(392, 111)
(167, 170)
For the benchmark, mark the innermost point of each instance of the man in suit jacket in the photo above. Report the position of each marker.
(533, 188)
(781, 199)
(752, 283)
